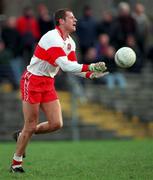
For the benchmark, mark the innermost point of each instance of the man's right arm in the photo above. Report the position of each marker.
(75, 67)
(53, 53)
(71, 66)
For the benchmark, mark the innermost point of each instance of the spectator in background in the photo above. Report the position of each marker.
(137, 67)
(143, 26)
(44, 19)
(106, 53)
(6, 72)
(150, 55)
(124, 25)
(86, 30)
(13, 43)
(105, 26)
(114, 77)
(28, 28)
(90, 56)
(102, 45)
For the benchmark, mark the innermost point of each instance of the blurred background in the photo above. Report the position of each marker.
(118, 106)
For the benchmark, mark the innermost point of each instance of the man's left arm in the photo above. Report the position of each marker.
(91, 75)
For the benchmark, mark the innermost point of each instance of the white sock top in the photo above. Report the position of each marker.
(17, 158)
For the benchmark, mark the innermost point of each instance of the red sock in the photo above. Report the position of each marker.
(17, 161)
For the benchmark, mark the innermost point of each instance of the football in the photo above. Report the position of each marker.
(125, 57)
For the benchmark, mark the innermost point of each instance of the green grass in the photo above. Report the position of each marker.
(85, 160)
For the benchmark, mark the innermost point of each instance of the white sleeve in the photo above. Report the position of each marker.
(68, 66)
(81, 74)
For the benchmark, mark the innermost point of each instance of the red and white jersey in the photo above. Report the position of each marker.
(54, 52)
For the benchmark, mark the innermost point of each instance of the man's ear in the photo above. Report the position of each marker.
(61, 21)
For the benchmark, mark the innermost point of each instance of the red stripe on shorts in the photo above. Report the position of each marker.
(27, 76)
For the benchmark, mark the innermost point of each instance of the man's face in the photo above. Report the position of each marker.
(70, 22)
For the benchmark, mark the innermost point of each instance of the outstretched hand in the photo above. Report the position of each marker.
(97, 67)
(96, 75)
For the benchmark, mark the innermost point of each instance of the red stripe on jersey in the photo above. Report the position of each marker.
(85, 68)
(54, 53)
(41, 53)
(50, 55)
(72, 56)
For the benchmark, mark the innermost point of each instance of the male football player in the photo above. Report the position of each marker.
(55, 50)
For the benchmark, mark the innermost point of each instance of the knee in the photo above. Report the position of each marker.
(60, 124)
(56, 126)
(30, 130)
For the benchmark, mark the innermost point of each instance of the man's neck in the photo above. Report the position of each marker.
(62, 32)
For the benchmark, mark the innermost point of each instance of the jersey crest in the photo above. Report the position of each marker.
(68, 46)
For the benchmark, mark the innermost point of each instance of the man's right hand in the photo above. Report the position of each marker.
(97, 67)
(96, 75)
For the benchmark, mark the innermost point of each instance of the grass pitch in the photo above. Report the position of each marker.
(84, 160)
